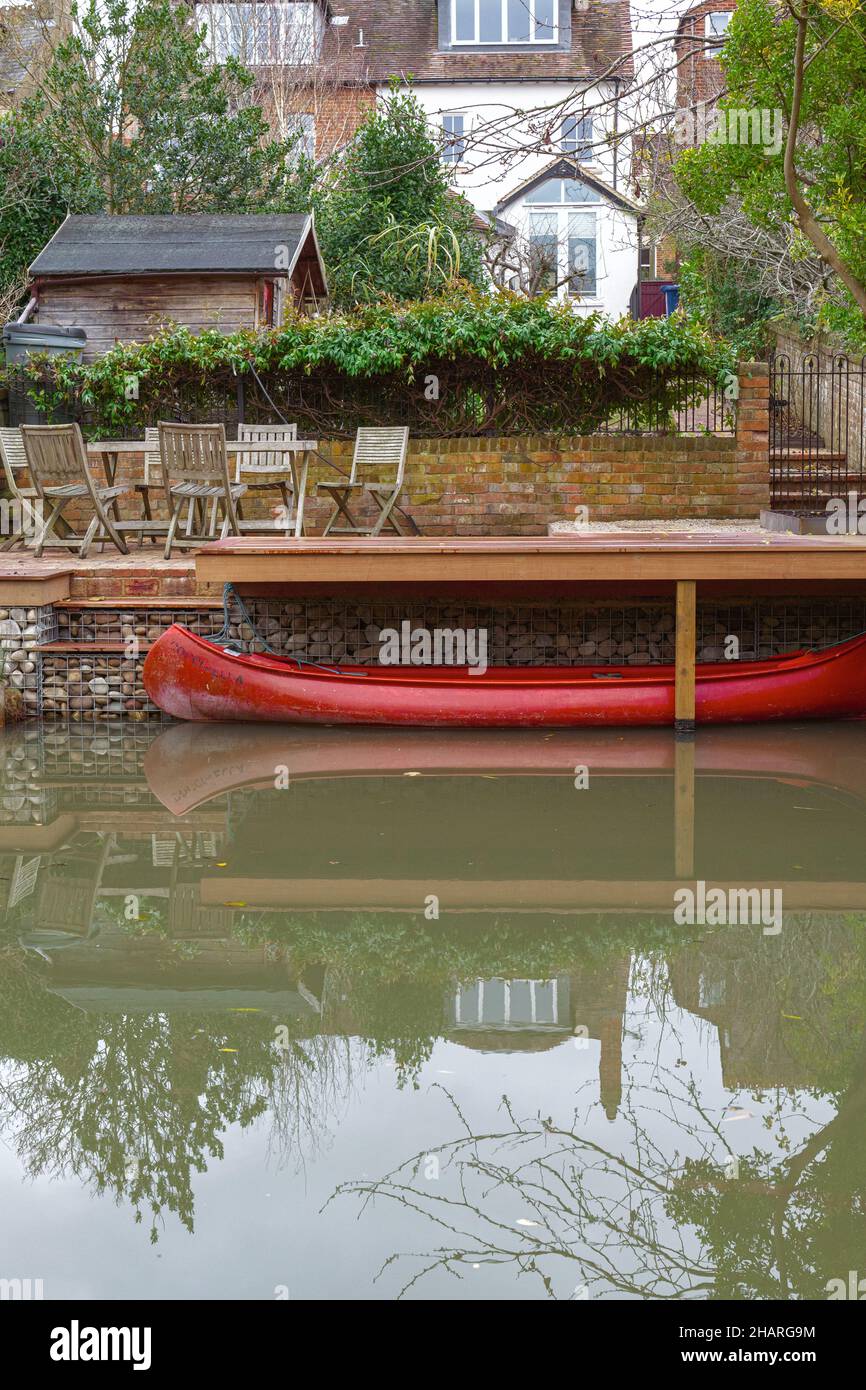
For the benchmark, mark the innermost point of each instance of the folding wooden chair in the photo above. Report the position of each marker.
(23, 498)
(378, 450)
(266, 470)
(152, 478)
(59, 467)
(195, 468)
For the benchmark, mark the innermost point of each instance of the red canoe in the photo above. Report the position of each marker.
(191, 678)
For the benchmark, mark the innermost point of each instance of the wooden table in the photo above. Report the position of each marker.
(109, 451)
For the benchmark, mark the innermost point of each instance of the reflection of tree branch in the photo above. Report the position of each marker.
(639, 1222)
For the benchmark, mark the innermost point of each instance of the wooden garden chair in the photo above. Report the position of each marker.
(23, 498)
(60, 470)
(196, 470)
(266, 470)
(152, 479)
(68, 889)
(380, 451)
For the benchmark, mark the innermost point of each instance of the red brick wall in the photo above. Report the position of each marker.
(518, 486)
(699, 73)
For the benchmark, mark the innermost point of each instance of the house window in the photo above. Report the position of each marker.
(454, 141)
(562, 240)
(543, 251)
(577, 136)
(581, 253)
(504, 21)
(716, 26)
(301, 128)
(562, 191)
(287, 34)
(647, 261)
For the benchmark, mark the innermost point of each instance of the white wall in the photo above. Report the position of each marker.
(616, 257)
(502, 120)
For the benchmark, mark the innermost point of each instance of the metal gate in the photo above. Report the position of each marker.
(816, 430)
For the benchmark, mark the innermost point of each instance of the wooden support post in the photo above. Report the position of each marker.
(684, 808)
(684, 695)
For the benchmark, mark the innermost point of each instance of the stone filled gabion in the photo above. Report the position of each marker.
(21, 632)
(95, 684)
(22, 801)
(117, 625)
(566, 634)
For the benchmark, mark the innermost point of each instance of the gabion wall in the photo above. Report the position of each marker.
(21, 631)
(553, 634)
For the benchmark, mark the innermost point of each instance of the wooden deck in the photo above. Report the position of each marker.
(59, 575)
(622, 557)
(625, 560)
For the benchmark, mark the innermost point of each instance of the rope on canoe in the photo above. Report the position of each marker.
(224, 639)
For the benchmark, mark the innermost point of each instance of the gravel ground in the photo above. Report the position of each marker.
(562, 528)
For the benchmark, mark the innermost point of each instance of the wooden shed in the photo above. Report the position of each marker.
(122, 278)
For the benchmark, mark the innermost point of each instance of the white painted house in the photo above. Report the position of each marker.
(524, 95)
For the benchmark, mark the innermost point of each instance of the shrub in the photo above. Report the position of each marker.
(468, 363)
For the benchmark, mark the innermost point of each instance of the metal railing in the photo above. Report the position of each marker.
(816, 430)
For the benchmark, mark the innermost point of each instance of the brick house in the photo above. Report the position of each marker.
(699, 37)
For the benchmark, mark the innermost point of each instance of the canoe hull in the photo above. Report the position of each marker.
(191, 678)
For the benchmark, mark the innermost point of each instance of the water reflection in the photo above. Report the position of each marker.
(436, 980)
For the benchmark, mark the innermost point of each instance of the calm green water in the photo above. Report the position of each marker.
(341, 1014)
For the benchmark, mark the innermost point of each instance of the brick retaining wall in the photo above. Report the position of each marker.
(518, 486)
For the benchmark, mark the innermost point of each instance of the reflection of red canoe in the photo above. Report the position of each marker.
(192, 678)
(189, 764)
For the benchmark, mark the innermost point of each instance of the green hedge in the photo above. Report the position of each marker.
(467, 364)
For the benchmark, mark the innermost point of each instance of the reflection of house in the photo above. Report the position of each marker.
(765, 995)
(118, 973)
(524, 1015)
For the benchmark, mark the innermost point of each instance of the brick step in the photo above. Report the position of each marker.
(108, 648)
(814, 462)
(132, 605)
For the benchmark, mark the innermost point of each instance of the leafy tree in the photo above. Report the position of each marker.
(726, 294)
(388, 221)
(131, 116)
(806, 60)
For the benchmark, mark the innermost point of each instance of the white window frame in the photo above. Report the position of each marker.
(478, 1021)
(296, 26)
(449, 140)
(561, 211)
(579, 142)
(503, 42)
(716, 39)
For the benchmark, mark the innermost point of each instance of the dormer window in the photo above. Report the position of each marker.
(263, 34)
(491, 22)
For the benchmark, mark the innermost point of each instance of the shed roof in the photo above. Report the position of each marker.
(163, 245)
